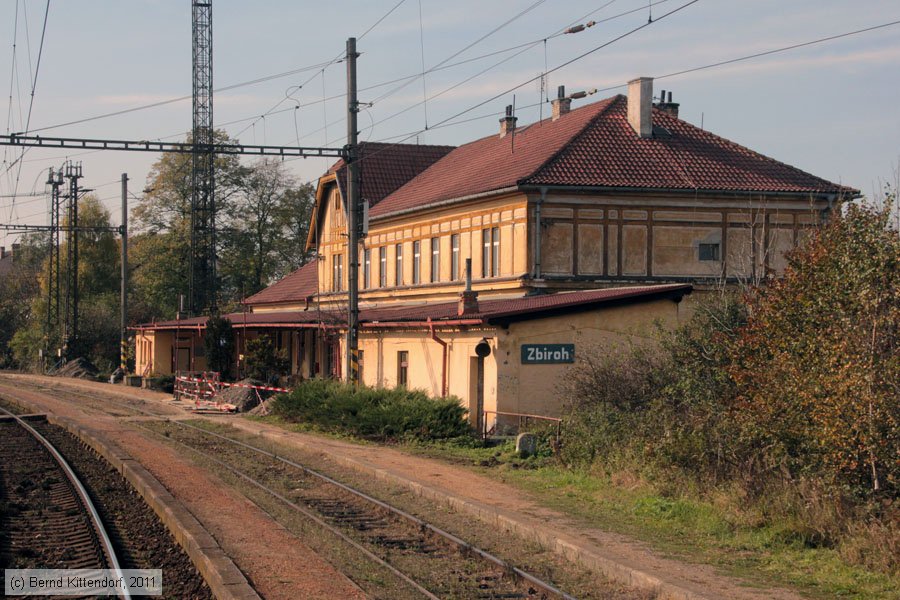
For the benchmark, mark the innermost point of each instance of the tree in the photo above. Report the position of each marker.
(263, 361)
(98, 289)
(818, 365)
(18, 288)
(262, 220)
(161, 244)
(292, 218)
(265, 236)
(219, 344)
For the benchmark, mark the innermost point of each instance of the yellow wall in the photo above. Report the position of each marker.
(426, 362)
(155, 348)
(534, 389)
(509, 385)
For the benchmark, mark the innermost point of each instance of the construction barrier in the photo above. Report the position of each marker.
(204, 389)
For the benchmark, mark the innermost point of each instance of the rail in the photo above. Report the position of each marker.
(546, 588)
(83, 496)
(464, 546)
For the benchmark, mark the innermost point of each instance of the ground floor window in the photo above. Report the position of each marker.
(402, 367)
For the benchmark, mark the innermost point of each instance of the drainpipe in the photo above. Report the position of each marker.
(444, 365)
(537, 233)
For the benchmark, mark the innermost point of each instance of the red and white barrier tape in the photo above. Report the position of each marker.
(265, 388)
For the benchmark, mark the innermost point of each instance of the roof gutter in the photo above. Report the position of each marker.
(441, 203)
(429, 323)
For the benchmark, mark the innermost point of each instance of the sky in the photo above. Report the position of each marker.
(831, 108)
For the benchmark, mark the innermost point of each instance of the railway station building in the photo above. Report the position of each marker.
(582, 233)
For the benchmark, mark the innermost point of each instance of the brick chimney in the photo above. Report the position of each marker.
(640, 101)
(508, 123)
(561, 105)
(468, 299)
(667, 105)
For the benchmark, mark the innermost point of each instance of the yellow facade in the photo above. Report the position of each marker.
(456, 233)
(161, 352)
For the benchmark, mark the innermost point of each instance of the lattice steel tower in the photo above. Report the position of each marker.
(203, 182)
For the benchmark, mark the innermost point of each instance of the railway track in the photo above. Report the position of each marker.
(432, 562)
(49, 518)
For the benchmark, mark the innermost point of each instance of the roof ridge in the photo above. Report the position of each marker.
(566, 147)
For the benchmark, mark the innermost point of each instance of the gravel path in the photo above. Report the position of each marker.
(462, 485)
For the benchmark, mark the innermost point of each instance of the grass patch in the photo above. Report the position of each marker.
(701, 531)
(740, 542)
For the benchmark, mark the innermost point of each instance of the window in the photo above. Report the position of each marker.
(485, 252)
(495, 252)
(490, 252)
(417, 262)
(402, 367)
(367, 268)
(337, 272)
(435, 259)
(454, 257)
(398, 264)
(709, 252)
(382, 266)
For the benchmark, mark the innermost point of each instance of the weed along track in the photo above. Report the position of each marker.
(433, 562)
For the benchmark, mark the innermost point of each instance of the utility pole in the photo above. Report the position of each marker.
(203, 186)
(123, 313)
(353, 221)
(55, 180)
(70, 342)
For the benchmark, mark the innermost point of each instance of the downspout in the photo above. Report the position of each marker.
(444, 365)
(537, 233)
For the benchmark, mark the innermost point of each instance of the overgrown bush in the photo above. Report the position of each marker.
(818, 366)
(788, 398)
(384, 414)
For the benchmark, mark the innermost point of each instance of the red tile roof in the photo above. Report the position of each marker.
(678, 156)
(386, 167)
(595, 146)
(294, 287)
(512, 308)
(491, 163)
(489, 311)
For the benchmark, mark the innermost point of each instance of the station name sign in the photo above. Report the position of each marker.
(547, 354)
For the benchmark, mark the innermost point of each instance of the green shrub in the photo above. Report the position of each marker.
(263, 361)
(379, 414)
